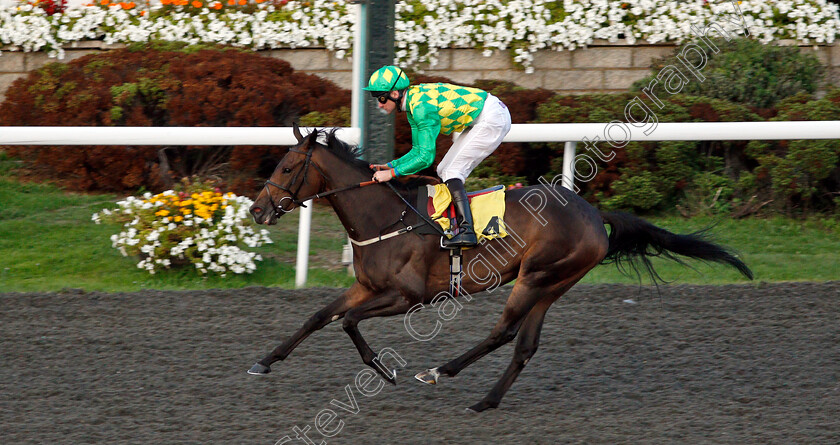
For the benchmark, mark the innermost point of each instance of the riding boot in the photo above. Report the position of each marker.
(466, 232)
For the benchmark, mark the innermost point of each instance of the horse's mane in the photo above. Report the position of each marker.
(351, 154)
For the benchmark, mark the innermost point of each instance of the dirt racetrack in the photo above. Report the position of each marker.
(703, 364)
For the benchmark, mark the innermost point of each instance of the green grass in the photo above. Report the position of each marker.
(48, 243)
(58, 246)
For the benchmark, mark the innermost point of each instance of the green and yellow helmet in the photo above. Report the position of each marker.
(387, 78)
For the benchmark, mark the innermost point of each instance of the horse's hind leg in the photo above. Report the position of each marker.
(519, 304)
(526, 347)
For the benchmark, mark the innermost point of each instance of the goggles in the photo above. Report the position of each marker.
(383, 96)
(380, 96)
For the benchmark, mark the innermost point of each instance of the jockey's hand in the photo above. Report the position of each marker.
(378, 167)
(384, 175)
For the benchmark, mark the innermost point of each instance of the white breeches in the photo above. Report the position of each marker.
(477, 141)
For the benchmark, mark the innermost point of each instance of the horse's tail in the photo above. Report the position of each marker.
(633, 241)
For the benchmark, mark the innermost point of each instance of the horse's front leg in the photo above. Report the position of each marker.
(382, 306)
(353, 297)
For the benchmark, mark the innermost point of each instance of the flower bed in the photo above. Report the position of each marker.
(198, 226)
(423, 27)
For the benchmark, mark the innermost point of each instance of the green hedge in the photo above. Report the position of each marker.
(707, 177)
(747, 72)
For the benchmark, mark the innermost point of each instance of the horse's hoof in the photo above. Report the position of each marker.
(259, 369)
(481, 406)
(429, 376)
(389, 376)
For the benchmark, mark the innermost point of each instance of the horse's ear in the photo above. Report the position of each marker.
(313, 136)
(296, 132)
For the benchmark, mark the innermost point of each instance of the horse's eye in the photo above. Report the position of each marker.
(287, 170)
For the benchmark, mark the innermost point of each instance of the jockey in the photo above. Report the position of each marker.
(435, 108)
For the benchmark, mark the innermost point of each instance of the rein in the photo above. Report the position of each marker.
(423, 217)
(405, 229)
(305, 169)
(300, 201)
(339, 190)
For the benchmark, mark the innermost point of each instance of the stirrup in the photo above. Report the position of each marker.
(446, 247)
(454, 246)
(460, 243)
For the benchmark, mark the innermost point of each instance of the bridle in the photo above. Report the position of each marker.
(288, 188)
(293, 194)
(300, 201)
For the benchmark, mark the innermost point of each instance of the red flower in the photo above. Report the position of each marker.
(50, 6)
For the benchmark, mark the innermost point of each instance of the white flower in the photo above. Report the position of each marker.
(493, 24)
(217, 242)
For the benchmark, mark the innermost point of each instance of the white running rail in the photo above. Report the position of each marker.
(568, 133)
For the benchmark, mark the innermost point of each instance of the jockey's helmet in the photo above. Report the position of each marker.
(386, 79)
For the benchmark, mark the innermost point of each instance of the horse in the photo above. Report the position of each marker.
(559, 237)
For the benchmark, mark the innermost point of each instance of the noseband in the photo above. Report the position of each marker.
(288, 188)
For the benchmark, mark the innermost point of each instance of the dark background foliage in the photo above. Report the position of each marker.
(171, 85)
(174, 85)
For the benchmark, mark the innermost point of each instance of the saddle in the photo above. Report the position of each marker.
(488, 208)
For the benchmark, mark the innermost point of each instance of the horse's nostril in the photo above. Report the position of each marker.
(257, 210)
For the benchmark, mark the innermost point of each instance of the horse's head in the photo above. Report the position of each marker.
(295, 177)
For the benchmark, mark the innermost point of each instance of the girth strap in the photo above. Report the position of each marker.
(379, 238)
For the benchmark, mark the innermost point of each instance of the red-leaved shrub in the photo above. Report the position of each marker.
(162, 86)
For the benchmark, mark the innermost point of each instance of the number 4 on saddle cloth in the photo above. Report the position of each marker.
(488, 209)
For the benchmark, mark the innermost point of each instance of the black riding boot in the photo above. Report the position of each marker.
(466, 232)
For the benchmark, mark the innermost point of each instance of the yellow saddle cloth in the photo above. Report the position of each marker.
(488, 209)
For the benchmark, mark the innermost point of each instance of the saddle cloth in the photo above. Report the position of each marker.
(488, 209)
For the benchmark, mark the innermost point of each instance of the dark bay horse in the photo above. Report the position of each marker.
(556, 238)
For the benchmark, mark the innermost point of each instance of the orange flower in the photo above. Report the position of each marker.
(104, 2)
(217, 5)
(142, 13)
(243, 2)
(197, 4)
(231, 2)
(165, 2)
